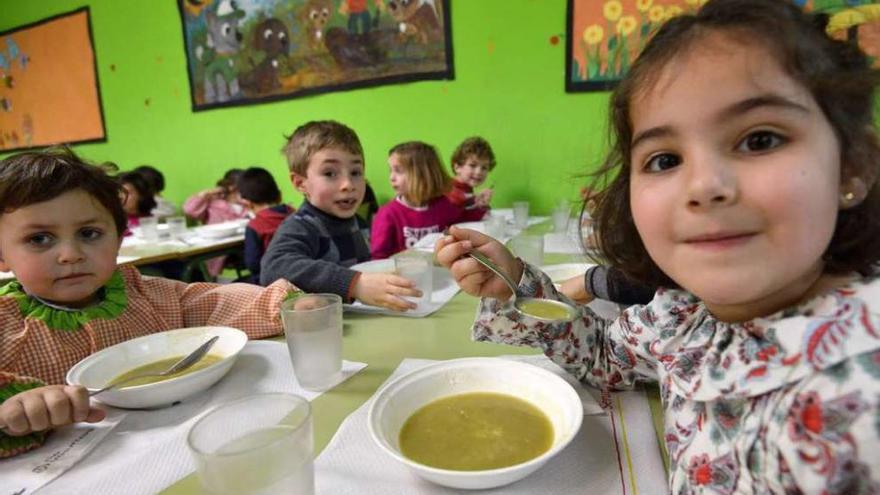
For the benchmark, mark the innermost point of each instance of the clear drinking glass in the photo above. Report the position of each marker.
(529, 247)
(496, 226)
(521, 214)
(313, 329)
(176, 226)
(149, 228)
(561, 216)
(260, 444)
(418, 267)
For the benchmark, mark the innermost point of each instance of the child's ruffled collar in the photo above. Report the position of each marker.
(113, 303)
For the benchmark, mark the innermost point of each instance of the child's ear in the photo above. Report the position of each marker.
(298, 182)
(852, 192)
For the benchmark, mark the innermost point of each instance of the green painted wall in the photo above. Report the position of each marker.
(508, 87)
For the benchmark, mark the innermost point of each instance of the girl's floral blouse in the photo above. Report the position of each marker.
(782, 404)
(39, 343)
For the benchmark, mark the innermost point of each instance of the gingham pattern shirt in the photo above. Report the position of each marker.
(28, 347)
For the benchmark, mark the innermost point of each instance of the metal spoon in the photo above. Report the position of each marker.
(187, 361)
(525, 305)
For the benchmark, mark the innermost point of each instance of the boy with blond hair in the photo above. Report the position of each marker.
(472, 161)
(317, 245)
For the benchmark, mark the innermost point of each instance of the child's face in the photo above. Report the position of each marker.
(473, 171)
(398, 175)
(62, 250)
(735, 178)
(334, 182)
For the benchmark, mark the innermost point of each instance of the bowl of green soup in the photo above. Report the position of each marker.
(475, 423)
(153, 354)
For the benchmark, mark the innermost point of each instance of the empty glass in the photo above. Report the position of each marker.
(259, 444)
(496, 226)
(418, 267)
(529, 247)
(521, 214)
(313, 329)
(561, 215)
(176, 227)
(149, 228)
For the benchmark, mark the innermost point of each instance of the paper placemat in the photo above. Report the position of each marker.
(146, 451)
(444, 289)
(613, 453)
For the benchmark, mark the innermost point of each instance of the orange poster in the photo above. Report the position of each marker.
(49, 84)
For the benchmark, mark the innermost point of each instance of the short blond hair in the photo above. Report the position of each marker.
(315, 136)
(427, 179)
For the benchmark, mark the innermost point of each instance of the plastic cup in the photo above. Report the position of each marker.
(529, 247)
(149, 228)
(521, 214)
(313, 329)
(418, 267)
(259, 444)
(176, 226)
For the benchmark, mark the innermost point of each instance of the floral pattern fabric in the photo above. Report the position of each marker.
(789, 403)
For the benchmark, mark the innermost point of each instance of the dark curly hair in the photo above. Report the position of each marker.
(37, 176)
(836, 73)
(146, 195)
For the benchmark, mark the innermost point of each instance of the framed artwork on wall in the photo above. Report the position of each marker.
(605, 36)
(49, 92)
(241, 53)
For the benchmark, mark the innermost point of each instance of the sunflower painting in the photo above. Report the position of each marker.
(605, 36)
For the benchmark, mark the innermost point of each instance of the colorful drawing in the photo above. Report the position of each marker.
(252, 51)
(604, 37)
(49, 84)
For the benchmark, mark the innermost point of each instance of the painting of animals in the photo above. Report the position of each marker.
(242, 52)
(49, 84)
(605, 36)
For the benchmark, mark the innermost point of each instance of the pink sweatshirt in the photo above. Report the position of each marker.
(213, 210)
(397, 226)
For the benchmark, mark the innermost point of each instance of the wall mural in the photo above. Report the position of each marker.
(49, 84)
(252, 51)
(605, 36)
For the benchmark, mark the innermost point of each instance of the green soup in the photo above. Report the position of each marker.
(160, 366)
(546, 310)
(476, 431)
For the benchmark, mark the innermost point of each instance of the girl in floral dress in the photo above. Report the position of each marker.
(61, 222)
(743, 182)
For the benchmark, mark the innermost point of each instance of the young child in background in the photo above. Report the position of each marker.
(156, 180)
(420, 206)
(60, 231)
(315, 247)
(218, 204)
(137, 200)
(743, 180)
(472, 161)
(260, 194)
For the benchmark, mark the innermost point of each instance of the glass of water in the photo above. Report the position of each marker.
(313, 329)
(561, 215)
(418, 267)
(149, 228)
(521, 214)
(259, 444)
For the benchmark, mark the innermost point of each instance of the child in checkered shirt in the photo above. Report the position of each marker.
(61, 222)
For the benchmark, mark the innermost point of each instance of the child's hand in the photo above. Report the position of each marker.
(386, 290)
(47, 407)
(471, 276)
(482, 199)
(576, 290)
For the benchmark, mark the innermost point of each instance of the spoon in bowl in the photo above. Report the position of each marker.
(540, 309)
(187, 361)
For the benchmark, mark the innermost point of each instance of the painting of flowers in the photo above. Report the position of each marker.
(605, 36)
